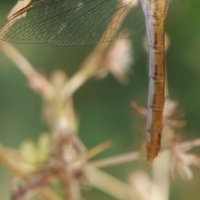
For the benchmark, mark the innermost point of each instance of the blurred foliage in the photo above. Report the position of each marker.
(103, 106)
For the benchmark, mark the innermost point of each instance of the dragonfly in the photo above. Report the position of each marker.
(82, 22)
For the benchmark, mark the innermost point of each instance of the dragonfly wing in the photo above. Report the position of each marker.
(72, 22)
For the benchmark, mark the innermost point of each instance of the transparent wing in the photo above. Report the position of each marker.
(73, 22)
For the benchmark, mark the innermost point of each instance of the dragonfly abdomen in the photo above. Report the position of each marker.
(155, 17)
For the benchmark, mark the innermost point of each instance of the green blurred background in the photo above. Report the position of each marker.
(103, 106)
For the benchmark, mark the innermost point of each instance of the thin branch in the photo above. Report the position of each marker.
(116, 160)
(161, 176)
(97, 149)
(18, 59)
(110, 185)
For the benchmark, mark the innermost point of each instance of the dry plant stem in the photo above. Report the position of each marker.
(87, 71)
(186, 146)
(110, 185)
(21, 62)
(73, 191)
(97, 150)
(161, 176)
(116, 160)
(36, 80)
(14, 169)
